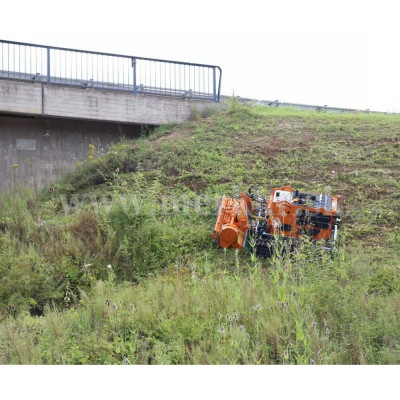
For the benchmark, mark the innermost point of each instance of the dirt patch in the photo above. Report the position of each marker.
(290, 123)
(390, 140)
(195, 184)
(176, 133)
(87, 226)
(339, 168)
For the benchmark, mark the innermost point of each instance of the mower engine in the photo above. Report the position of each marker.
(287, 215)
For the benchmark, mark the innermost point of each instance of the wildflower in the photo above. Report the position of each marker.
(114, 306)
(222, 330)
(241, 327)
(235, 316)
(109, 267)
(193, 267)
(312, 362)
(126, 361)
(132, 307)
(257, 307)
(107, 303)
(314, 324)
(219, 315)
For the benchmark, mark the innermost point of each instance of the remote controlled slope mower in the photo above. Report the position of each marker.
(287, 215)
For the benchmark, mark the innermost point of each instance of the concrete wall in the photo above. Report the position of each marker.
(95, 104)
(20, 97)
(36, 150)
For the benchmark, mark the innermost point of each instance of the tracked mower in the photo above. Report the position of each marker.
(288, 215)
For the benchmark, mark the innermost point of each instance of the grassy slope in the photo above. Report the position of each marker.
(183, 300)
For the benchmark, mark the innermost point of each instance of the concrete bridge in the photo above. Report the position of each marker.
(55, 102)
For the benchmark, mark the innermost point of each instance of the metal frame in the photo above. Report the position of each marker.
(92, 69)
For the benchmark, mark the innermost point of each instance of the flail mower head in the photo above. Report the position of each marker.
(287, 215)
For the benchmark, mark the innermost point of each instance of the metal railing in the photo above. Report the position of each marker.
(71, 67)
(303, 107)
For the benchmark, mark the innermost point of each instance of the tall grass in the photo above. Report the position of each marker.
(302, 309)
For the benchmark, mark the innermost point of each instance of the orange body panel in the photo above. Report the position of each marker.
(233, 221)
(287, 213)
(284, 213)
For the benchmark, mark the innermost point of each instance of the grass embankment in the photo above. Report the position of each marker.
(130, 274)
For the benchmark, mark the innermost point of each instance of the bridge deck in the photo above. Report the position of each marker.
(37, 98)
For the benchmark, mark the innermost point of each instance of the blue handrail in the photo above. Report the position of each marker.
(139, 75)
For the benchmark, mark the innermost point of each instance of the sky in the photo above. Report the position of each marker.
(341, 53)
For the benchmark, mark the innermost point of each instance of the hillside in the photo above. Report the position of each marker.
(115, 264)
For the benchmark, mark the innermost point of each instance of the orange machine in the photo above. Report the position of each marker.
(287, 215)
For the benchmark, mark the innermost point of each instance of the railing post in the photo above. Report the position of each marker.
(214, 85)
(134, 74)
(48, 65)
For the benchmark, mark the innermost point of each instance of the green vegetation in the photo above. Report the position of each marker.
(115, 264)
